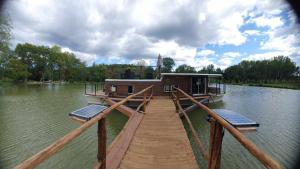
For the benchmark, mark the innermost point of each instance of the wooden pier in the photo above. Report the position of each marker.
(160, 141)
(154, 137)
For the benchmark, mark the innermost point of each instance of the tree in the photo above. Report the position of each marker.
(142, 65)
(17, 70)
(185, 69)
(149, 73)
(278, 68)
(168, 64)
(219, 71)
(4, 43)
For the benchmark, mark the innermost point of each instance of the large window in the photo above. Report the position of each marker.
(167, 88)
(113, 88)
(130, 89)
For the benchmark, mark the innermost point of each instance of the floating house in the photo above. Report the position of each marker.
(206, 87)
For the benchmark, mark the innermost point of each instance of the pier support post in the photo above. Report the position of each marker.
(215, 144)
(102, 143)
(145, 98)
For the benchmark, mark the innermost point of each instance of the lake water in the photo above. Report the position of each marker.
(32, 117)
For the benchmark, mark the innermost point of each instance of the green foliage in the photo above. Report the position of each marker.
(168, 64)
(17, 70)
(149, 73)
(4, 44)
(277, 69)
(44, 63)
(210, 69)
(185, 69)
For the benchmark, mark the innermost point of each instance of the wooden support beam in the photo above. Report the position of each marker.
(127, 111)
(144, 102)
(101, 156)
(215, 145)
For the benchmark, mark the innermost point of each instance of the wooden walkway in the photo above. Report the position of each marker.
(160, 140)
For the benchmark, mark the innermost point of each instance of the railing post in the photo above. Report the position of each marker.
(95, 89)
(219, 86)
(84, 88)
(144, 106)
(215, 144)
(101, 156)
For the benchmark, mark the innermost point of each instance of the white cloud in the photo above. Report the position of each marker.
(227, 59)
(262, 56)
(85, 57)
(281, 43)
(270, 21)
(205, 52)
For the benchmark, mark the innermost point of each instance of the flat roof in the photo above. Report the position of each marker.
(191, 74)
(132, 80)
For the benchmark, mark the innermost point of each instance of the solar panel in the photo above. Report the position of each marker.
(88, 112)
(235, 119)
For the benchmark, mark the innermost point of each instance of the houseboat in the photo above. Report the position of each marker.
(206, 88)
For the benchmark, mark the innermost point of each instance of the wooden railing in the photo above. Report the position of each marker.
(217, 124)
(92, 88)
(46, 153)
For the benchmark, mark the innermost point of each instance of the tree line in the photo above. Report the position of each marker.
(277, 69)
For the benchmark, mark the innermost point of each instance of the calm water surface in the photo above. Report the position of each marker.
(32, 117)
(277, 111)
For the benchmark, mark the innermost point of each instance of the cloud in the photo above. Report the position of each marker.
(270, 21)
(206, 52)
(263, 56)
(227, 59)
(131, 30)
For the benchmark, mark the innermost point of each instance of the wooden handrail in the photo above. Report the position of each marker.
(44, 154)
(194, 133)
(266, 160)
(143, 103)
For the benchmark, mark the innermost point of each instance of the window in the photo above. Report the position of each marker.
(113, 88)
(167, 88)
(130, 89)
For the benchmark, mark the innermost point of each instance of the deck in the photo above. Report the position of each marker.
(160, 140)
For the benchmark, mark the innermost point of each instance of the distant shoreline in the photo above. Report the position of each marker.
(281, 85)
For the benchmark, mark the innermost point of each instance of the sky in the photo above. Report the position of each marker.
(191, 32)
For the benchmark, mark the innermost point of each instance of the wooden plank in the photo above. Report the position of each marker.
(160, 141)
(78, 120)
(120, 146)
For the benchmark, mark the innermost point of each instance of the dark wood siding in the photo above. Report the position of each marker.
(122, 87)
(183, 82)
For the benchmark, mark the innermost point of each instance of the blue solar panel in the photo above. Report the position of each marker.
(88, 112)
(235, 119)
